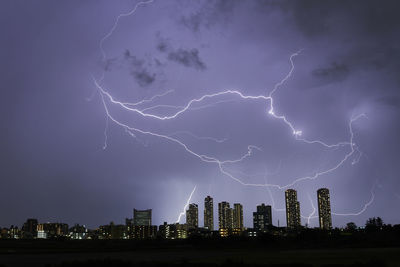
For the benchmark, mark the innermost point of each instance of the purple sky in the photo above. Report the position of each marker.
(54, 167)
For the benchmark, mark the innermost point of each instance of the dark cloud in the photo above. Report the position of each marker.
(375, 56)
(311, 17)
(366, 32)
(134, 61)
(144, 78)
(333, 73)
(163, 45)
(187, 57)
(158, 62)
(137, 67)
(138, 70)
(364, 17)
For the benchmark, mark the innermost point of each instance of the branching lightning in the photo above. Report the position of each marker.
(149, 100)
(313, 210)
(138, 109)
(199, 137)
(186, 206)
(105, 134)
(362, 210)
(366, 205)
(116, 24)
(209, 159)
(312, 216)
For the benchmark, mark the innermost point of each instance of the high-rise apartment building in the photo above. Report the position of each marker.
(209, 213)
(262, 218)
(142, 217)
(292, 209)
(192, 216)
(324, 209)
(225, 214)
(238, 216)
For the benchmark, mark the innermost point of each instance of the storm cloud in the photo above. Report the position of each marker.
(187, 57)
(332, 73)
(179, 51)
(138, 70)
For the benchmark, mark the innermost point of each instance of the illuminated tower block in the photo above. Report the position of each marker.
(292, 209)
(209, 213)
(324, 209)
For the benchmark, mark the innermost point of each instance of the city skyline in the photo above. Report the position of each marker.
(157, 104)
(230, 223)
(229, 217)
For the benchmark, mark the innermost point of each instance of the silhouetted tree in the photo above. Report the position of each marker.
(351, 227)
(374, 224)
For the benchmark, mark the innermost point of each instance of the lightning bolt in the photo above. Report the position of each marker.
(108, 35)
(209, 159)
(191, 108)
(271, 197)
(186, 206)
(199, 137)
(145, 112)
(311, 216)
(364, 208)
(361, 211)
(104, 57)
(105, 135)
(150, 99)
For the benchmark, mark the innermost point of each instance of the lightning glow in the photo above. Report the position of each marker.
(209, 159)
(105, 134)
(309, 217)
(137, 109)
(272, 199)
(186, 206)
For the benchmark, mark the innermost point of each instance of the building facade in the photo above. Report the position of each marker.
(173, 231)
(78, 232)
(192, 216)
(225, 218)
(292, 209)
(262, 218)
(324, 209)
(238, 216)
(52, 230)
(144, 231)
(142, 217)
(209, 213)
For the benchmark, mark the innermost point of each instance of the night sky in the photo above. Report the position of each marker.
(64, 160)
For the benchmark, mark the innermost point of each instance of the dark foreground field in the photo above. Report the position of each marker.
(128, 253)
